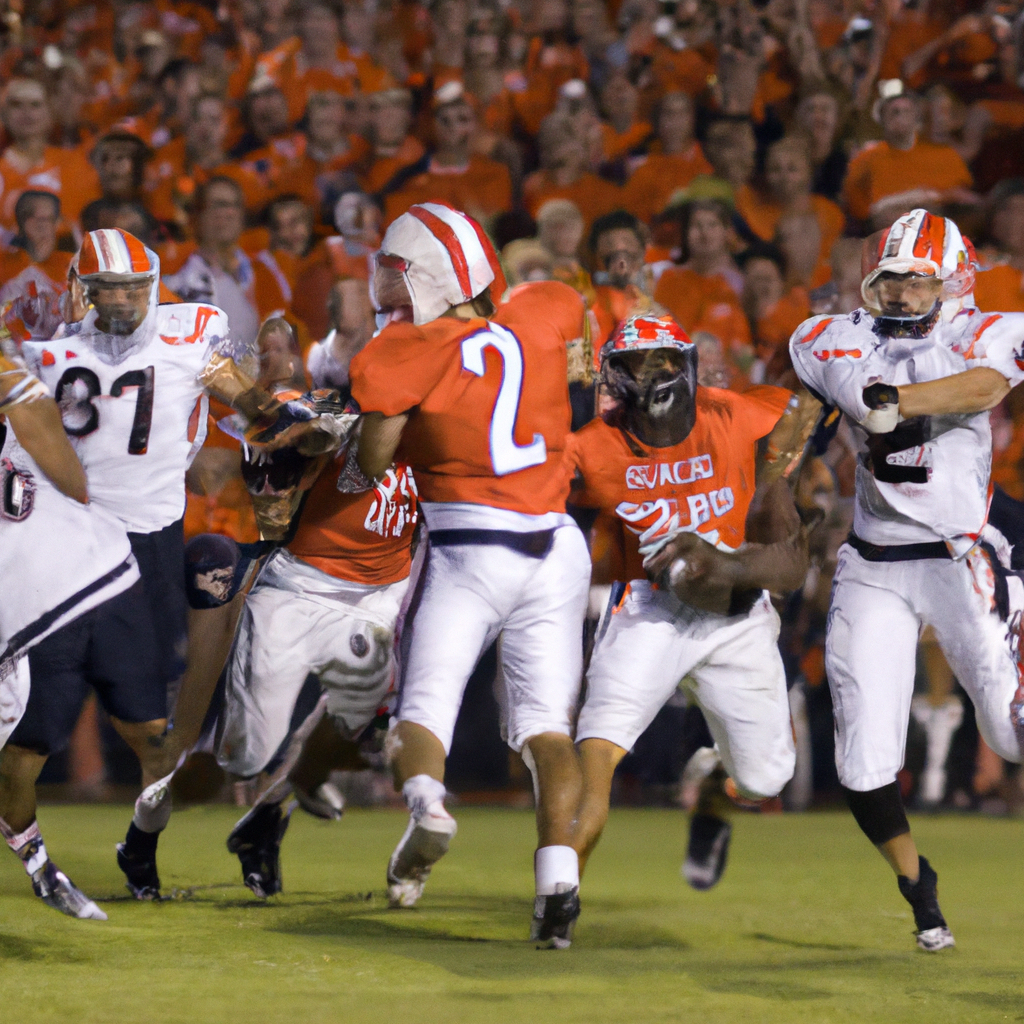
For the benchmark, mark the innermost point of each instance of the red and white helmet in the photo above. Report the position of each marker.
(445, 257)
(111, 254)
(927, 245)
(645, 331)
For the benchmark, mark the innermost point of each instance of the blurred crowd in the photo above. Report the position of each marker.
(724, 159)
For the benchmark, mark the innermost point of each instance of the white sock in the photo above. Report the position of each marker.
(421, 792)
(28, 845)
(557, 869)
(153, 807)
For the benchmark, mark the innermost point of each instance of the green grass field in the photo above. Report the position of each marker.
(807, 925)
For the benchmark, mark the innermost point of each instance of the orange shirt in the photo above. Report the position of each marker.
(365, 537)
(15, 261)
(707, 479)
(653, 183)
(66, 173)
(610, 307)
(695, 300)
(878, 171)
(686, 70)
(615, 144)
(287, 68)
(592, 195)
(330, 261)
(482, 188)
(763, 217)
(776, 324)
(1000, 290)
(316, 181)
(384, 168)
(488, 424)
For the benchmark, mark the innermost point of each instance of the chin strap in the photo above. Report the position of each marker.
(907, 326)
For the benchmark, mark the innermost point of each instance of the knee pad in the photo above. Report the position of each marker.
(214, 570)
(879, 812)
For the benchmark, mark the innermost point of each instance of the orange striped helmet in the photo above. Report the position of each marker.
(111, 254)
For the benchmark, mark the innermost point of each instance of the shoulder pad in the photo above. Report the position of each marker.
(186, 323)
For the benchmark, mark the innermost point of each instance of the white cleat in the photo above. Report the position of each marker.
(56, 890)
(933, 939)
(425, 842)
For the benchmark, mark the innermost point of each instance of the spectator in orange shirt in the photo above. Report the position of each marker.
(621, 288)
(798, 238)
(678, 162)
(316, 60)
(178, 168)
(453, 174)
(394, 148)
(1000, 287)
(703, 293)
(563, 173)
(787, 173)
(33, 272)
(120, 158)
(266, 116)
(330, 160)
(290, 222)
(774, 312)
(622, 133)
(889, 178)
(219, 272)
(30, 163)
(818, 121)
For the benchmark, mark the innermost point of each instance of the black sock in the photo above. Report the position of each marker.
(923, 896)
(140, 845)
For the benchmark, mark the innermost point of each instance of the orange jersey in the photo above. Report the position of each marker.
(1000, 290)
(654, 182)
(66, 173)
(763, 216)
(365, 538)
(707, 479)
(489, 400)
(878, 171)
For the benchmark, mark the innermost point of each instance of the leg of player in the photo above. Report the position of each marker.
(872, 687)
(19, 769)
(136, 856)
(556, 863)
(599, 759)
(417, 760)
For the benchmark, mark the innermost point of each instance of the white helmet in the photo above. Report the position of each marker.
(444, 255)
(925, 245)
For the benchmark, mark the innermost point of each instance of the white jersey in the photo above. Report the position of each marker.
(137, 422)
(58, 558)
(928, 480)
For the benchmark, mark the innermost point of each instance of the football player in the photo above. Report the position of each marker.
(673, 466)
(71, 612)
(916, 369)
(477, 399)
(325, 605)
(126, 379)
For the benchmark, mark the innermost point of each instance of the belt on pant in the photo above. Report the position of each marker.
(897, 552)
(536, 544)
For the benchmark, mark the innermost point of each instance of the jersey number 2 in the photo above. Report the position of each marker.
(138, 439)
(506, 455)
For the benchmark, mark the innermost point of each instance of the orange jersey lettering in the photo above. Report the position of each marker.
(705, 483)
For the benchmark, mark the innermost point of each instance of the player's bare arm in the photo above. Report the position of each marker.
(975, 390)
(378, 442)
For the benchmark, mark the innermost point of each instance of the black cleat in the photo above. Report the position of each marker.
(256, 841)
(932, 932)
(554, 918)
(708, 850)
(136, 857)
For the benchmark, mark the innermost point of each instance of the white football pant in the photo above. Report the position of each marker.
(298, 621)
(877, 613)
(468, 595)
(651, 643)
(14, 687)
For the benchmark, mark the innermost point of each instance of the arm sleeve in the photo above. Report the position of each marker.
(833, 380)
(579, 495)
(396, 370)
(560, 305)
(762, 407)
(998, 342)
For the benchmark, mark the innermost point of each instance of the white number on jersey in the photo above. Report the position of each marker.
(79, 385)
(506, 456)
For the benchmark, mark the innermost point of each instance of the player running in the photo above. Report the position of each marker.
(125, 377)
(478, 401)
(71, 613)
(917, 369)
(673, 467)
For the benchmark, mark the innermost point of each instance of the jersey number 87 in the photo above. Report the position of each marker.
(77, 388)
